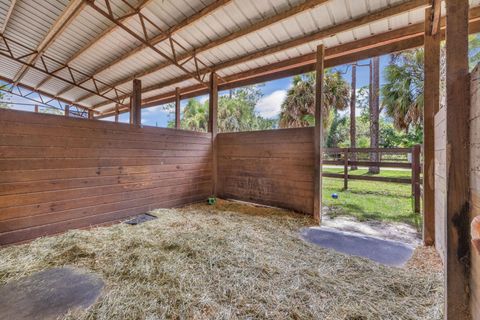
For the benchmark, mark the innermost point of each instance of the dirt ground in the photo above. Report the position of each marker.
(229, 261)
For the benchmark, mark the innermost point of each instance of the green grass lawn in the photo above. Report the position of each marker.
(371, 199)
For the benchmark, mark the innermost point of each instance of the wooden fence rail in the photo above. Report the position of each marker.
(342, 158)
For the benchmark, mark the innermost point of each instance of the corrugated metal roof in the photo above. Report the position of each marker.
(32, 19)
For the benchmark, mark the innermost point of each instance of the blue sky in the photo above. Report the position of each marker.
(274, 93)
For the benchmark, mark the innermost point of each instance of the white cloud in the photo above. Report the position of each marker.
(270, 106)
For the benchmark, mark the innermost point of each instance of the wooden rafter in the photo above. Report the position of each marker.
(158, 38)
(93, 42)
(385, 43)
(72, 10)
(315, 36)
(192, 54)
(51, 66)
(143, 37)
(7, 16)
(435, 16)
(42, 97)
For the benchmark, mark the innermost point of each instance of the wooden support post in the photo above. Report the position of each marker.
(90, 114)
(212, 126)
(177, 108)
(457, 253)
(67, 110)
(416, 177)
(345, 169)
(36, 108)
(136, 103)
(431, 94)
(318, 138)
(117, 112)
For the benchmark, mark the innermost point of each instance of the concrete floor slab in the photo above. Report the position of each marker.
(49, 294)
(390, 253)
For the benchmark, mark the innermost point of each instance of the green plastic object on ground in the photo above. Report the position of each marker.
(212, 200)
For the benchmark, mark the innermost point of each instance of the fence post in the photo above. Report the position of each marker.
(345, 169)
(416, 177)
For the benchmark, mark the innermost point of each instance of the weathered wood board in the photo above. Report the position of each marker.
(273, 167)
(59, 173)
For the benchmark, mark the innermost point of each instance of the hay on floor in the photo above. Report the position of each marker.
(227, 261)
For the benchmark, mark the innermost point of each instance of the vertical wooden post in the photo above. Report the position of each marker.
(90, 114)
(457, 252)
(36, 108)
(177, 108)
(212, 126)
(136, 103)
(116, 113)
(416, 177)
(353, 104)
(67, 110)
(345, 169)
(431, 94)
(318, 138)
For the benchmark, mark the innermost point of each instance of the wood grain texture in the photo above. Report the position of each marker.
(431, 106)
(318, 133)
(457, 166)
(59, 173)
(440, 147)
(475, 186)
(273, 167)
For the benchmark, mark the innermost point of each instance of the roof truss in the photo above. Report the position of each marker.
(52, 67)
(62, 22)
(7, 16)
(192, 54)
(388, 42)
(316, 36)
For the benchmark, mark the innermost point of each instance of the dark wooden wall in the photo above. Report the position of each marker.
(60, 173)
(273, 167)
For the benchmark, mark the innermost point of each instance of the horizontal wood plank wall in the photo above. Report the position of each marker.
(440, 181)
(274, 167)
(475, 185)
(60, 173)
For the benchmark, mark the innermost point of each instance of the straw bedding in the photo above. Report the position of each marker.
(228, 261)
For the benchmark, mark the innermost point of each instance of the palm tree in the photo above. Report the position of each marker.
(402, 94)
(195, 116)
(298, 109)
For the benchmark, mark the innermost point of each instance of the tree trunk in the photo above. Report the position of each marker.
(353, 102)
(374, 111)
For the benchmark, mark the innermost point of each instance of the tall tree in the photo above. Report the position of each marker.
(236, 112)
(298, 109)
(374, 111)
(353, 104)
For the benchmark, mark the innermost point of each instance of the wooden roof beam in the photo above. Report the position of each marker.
(385, 43)
(92, 42)
(436, 14)
(308, 4)
(7, 16)
(72, 10)
(315, 36)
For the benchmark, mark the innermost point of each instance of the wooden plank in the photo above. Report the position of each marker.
(367, 178)
(318, 137)
(431, 106)
(416, 168)
(136, 103)
(177, 108)
(60, 173)
(457, 193)
(212, 126)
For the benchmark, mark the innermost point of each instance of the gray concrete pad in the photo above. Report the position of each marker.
(49, 294)
(390, 253)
